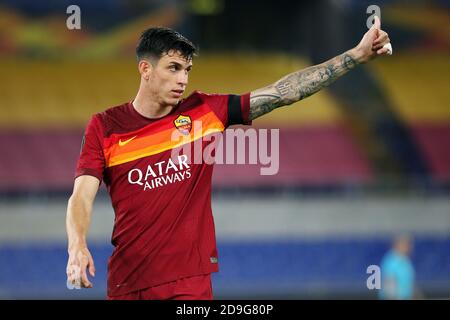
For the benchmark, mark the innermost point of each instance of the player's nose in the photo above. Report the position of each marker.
(182, 79)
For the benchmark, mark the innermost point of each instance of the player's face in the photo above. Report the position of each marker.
(169, 77)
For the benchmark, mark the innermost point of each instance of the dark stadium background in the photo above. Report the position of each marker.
(360, 163)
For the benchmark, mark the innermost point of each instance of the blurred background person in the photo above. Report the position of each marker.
(397, 271)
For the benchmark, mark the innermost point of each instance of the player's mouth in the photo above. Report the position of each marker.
(177, 93)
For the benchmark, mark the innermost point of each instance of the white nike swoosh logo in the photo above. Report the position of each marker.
(122, 143)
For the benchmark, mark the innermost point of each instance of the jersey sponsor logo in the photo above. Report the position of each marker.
(183, 124)
(122, 143)
(161, 173)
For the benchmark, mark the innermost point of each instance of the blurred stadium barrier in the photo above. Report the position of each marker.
(269, 248)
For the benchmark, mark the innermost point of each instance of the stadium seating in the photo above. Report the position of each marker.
(315, 147)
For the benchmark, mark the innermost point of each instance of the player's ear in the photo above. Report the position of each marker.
(145, 68)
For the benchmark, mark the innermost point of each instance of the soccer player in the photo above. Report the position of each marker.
(163, 236)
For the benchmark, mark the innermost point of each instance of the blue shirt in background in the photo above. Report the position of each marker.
(399, 269)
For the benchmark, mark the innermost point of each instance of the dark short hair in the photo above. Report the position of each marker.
(155, 42)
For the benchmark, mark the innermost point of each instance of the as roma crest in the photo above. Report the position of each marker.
(183, 124)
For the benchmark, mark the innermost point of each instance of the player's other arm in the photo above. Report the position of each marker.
(303, 83)
(79, 210)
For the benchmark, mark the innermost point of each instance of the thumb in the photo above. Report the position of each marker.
(376, 23)
(91, 267)
(374, 30)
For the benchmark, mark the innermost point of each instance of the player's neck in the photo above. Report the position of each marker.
(149, 107)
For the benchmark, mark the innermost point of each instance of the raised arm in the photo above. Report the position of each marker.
(303, 83)
(79, 211)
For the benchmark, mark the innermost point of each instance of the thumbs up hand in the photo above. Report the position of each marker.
(382, 43)
(374, 43)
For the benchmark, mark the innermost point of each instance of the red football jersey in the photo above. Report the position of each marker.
(163, 228)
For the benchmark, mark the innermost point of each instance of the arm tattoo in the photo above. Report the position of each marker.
(299, 85)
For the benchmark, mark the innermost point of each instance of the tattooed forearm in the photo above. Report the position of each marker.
(263, 103)
(299, 85)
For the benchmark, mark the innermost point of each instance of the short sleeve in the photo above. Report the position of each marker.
(231, 109)
(92, 161)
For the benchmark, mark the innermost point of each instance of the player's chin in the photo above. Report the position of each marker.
(173, 101)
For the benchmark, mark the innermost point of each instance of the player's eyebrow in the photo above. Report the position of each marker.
(179, 65)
